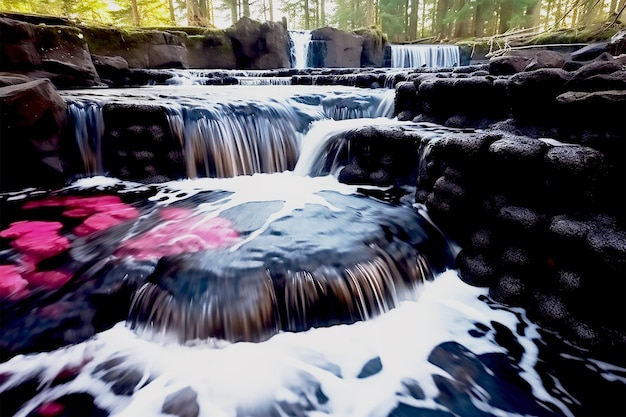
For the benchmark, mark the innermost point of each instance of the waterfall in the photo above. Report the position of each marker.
(417, 56)
(88, 130)
(219, 133)
(300, 41)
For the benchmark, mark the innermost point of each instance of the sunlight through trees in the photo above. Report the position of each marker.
(401, 20)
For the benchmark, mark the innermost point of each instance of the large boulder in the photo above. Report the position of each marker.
(259, 45)
(57, 52)
(65, 53)
(337, 48)
(374, 42)
(213, 49)
(18, 51)
(140, 48)
(33, 116)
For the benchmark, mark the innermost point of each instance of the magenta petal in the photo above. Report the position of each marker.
(43, 244)
(50, 409)
(189, 235)
(92, 202)
(12, 285)
(78, 212)
(96, 223)
(49, 279)
(50, 202)
(21, 228)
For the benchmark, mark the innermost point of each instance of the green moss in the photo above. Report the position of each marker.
(478, 46)
(592, 33)
(374, 32)
(52, 36)
(102, 40)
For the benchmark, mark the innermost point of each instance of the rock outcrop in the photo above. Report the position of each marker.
(259, 45)
(336, 48)
(34, 118)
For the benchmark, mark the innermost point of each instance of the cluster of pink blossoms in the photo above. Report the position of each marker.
(38, 240)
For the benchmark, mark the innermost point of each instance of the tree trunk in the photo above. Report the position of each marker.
(307, 17)
(246, 8)
(170, 4)
(413, 20)
(234, 14)
(322, 13)
(460, 24)
(505, 16)
(533, 13)
(135, 10)
(479, 21)
(441, 28)
(271, 6)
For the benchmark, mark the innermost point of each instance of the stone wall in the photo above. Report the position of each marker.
(536, 196)
(74, 55)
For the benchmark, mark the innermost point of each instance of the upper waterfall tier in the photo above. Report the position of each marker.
(205, 131)
(299, 42)
(417, 56)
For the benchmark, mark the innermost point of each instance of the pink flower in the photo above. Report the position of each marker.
(52, 280)
(12, 285)
(96, 223)
(41, 245)
(50, 409)
(180, 234)
(21, 228)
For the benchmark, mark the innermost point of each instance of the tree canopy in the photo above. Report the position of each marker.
(401, 20)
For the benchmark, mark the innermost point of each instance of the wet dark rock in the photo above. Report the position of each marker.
(617, 43)
(595, 110)
(482, 239)
(182, 403)
(515, 259)
(372, 367)
(213, 49)
(139, 143)
(259, 45)
(337, 48)
(475, 269)
(406, 410)
(569, 282)
(373, 47)
(405, 100)
(18, 49)
(474, 98)
(414, 389)
(496, 373)
(33, 120)
(609, 246)
(596, 68)
(509, 289)
(612, 81)
(517, 150)
(507, 65)
(545, 59)
(113, 70)
(589, 52)
(550, 307)
(124, 381)
(520, 219)
(574, 174)
(533, 94)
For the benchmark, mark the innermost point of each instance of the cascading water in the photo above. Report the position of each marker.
(129, 299)
(222, 135)
(417, 56)
(300, 41)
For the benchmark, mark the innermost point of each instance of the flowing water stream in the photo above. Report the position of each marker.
(260, 285)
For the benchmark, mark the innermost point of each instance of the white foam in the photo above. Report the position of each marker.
(290, 365)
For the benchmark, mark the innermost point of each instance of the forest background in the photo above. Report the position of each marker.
(400, 20)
